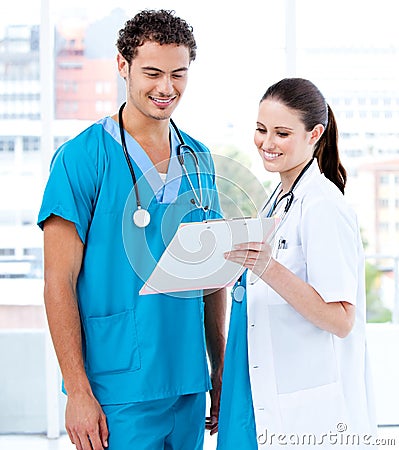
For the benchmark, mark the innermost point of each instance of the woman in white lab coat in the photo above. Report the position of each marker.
(296, 369)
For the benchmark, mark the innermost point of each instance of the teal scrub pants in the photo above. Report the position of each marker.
(176, 423)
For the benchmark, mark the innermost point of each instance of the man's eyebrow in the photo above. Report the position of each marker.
(155, 69)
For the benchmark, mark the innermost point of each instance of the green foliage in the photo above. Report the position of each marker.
(376, 311)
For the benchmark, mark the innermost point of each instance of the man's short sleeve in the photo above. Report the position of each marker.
(71, 188)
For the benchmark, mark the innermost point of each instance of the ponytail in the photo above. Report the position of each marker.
(327, 154)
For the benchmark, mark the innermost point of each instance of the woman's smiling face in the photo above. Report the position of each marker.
(282, 140)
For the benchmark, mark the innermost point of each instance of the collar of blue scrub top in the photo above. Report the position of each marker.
(164, 192)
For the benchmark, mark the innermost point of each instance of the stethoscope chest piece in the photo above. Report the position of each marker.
(238, 293)
(141, 217)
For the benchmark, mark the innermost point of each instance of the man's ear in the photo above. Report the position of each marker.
(316, 133)
(123, 66)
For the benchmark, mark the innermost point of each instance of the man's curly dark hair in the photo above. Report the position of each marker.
(160, 26)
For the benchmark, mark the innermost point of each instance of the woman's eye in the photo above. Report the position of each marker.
(282, 134)
(261, 130)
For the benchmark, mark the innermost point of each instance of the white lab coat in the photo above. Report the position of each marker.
(304, 379)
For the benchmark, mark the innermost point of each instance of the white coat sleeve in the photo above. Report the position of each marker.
(331, 247)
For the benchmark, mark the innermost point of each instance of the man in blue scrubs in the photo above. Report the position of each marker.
(135, 368)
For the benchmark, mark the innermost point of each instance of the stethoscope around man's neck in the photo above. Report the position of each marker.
(238, 291)
(142, 217)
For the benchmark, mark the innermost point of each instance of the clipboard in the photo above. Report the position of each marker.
(194, 259)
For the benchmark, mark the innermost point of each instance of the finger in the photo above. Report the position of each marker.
(95, 441)
(71, 436)
(88, 442)
(214, 430)
(77, 442)
(241, 256)
(213, 425)
(104, 430)
(254, 246)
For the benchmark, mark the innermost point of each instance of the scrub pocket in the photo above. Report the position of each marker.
(111, 344)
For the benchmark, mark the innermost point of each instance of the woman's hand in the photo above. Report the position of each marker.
(255, 256)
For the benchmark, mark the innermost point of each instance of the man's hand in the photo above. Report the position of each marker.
(212, 422)
(85, 422)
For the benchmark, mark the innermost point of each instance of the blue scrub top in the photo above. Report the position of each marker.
(236, 417)
(136, 348)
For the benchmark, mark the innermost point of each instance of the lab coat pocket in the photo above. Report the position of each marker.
(304, 355)
(111, 344)
(318, 411)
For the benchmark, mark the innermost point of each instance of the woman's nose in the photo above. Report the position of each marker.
(268, 143)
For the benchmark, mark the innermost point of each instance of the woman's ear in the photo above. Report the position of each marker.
(316, 133)
(123, 66)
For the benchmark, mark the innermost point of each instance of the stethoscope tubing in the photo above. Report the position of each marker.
(141, 217)
(239, 290)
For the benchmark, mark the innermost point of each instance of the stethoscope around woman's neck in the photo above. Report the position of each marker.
(141, 217)
(288, 195)
(238, 291)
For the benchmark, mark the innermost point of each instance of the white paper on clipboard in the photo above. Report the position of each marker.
(194, 257)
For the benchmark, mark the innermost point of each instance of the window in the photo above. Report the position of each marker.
(59, 140)
(7, 251)
(7, 145)
(70, 86)
(70, 106)
(103, 87)
(31, 143)
(36, 252)
(384, 226)
(384, 179)
(103, 106)
(383, 202)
